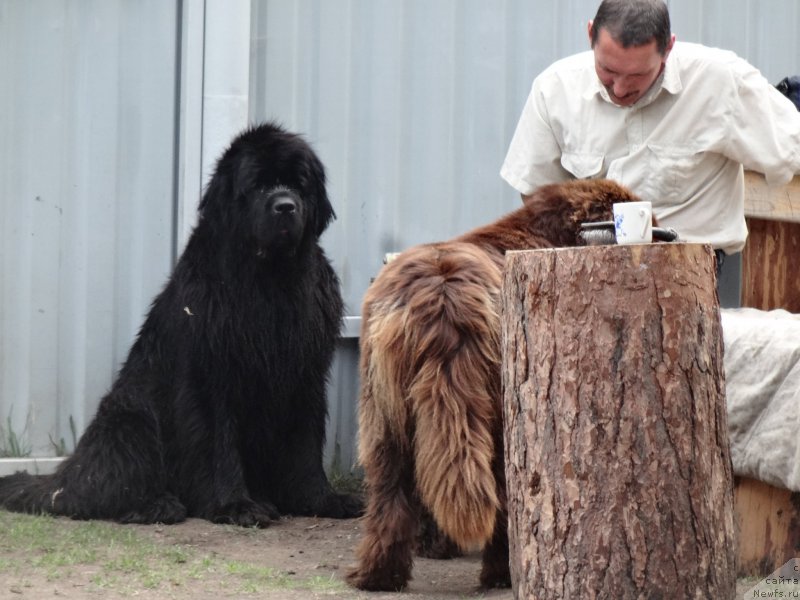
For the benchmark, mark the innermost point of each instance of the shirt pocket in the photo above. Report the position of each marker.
(582, 165)
(672, 172)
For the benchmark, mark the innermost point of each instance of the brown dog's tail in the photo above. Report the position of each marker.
(432, 363)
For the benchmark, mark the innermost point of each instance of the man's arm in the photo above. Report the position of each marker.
(764, 130)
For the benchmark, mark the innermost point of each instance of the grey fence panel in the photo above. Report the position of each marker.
(87, 127)
(765, 33)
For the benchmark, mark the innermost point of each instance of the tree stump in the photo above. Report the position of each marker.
(616, 439)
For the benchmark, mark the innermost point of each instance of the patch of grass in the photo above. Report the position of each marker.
(324, 584)
(60, 447)
(255, 579)
(13, 444)
(346, 483)
(54, 546)
(119, 558)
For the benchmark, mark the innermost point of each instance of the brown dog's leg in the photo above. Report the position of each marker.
(432, 542)
(385, 554)
(494, 568)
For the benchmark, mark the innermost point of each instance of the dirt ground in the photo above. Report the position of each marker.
(308, 557)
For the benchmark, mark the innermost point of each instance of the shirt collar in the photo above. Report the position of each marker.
(671, 77)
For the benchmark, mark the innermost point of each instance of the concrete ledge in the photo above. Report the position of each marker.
(35, 466)
(351, 327)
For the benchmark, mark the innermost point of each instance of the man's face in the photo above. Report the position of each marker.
(627, 73)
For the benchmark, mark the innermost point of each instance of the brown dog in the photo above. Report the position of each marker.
(431, 436)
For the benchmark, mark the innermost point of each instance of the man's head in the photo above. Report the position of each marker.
(631, 40)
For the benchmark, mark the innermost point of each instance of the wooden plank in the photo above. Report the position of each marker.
(776, 203)
(768, 519)
(770, 266)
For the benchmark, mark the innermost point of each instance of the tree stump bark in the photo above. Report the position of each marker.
(616, 439)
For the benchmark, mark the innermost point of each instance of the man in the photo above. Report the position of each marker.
(675, 122)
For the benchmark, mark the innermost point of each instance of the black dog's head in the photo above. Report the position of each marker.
(278, 219)
(269, 191)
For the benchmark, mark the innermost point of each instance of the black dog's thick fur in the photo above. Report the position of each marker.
(219, 410)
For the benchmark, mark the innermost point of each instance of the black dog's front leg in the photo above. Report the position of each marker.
(311, 492)
(231, 500)
(302, 485)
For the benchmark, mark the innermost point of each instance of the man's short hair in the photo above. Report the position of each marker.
(634, 22)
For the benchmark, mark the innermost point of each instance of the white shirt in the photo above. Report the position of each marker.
(682, 146)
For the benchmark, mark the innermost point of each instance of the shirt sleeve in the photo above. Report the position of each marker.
(763, 128)
(534, 156)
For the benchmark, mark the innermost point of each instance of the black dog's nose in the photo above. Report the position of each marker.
(284, 206)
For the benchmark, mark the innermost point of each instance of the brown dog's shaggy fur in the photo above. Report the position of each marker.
(431, 436)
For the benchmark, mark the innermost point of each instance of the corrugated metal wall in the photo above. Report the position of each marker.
(87, 124)
(410, 103)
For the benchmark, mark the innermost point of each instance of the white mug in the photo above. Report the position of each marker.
(633, 222)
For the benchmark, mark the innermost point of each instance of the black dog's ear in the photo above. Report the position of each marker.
(223, 185)
(247, 173)
(217, 192)
(323, 213)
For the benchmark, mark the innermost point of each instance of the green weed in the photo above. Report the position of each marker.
(12, 444)
(60, 447)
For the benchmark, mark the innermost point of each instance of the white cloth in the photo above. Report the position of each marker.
(681, 146)
(762, 381)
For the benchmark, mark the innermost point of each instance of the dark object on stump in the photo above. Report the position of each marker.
(617, 457)
(601, 233)
(790, 87)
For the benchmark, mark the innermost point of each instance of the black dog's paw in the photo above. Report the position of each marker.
(341, 506)
(167, 509)
(246, 513)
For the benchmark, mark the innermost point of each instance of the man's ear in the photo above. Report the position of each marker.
(589, 30)
(669, 45)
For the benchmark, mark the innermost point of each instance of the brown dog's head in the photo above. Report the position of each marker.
(581, 200)
(552, 216)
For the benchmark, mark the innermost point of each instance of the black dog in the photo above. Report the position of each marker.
(219, 410)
